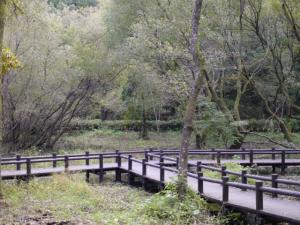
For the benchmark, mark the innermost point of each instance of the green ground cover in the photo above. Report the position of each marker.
(68, 199)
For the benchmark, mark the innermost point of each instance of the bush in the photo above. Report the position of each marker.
(261, 125)
(271, 125)
(122, 125)
(167, 207)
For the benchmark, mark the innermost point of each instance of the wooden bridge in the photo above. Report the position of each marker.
(154, 168)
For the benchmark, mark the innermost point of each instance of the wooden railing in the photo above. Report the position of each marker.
(164, 159)
(259, 189)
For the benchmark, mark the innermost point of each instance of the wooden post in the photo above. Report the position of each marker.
(273, 169)
(219, 158)
(144, 169)
(66, 163)
(243, 154)
(28, 169)
(213, 154)
(130, 162)
(177, 162)
(151, 152)
(161, 159)
(117, 154)
(87, 163)
(146, 156)
(144, 172)
(244, 179)
(200, 175)
(200, 183)
(130, 175)
(251, 157)
(225, 189)
(274, 184)
(162, 173)
(18, 157)
(223, 171)
(259, 195)
(273, 153)
(199, 166)
(118, 170)
(101, 168)
(283, 166)
(54, 162)
(161, 155)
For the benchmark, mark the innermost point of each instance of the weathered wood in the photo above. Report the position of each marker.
(117, 153)
(274, 184)
(223, 171)
(225, 192)
(18, 158)
(199, 168)
(87, 162)
(259, 195)
(251, 157)
(101, 168)
(200, 183)
(28, 169)
(273, 154)
(66, 162)
(130, 162)
(54, 163)
(218, 157)
(161, 172)
(144, 167)
(119, 163)
(283, 165)
(244, 178)
(151, 151)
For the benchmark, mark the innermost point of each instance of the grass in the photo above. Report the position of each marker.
(68, 199)
(110, 140)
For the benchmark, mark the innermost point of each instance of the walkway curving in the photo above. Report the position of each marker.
(155, 168)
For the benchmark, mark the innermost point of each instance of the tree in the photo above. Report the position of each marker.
(198, 61)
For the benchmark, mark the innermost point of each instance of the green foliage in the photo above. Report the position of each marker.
(212, 122)
(76, 3)
(124, 125)
(167, 207)
(9, 61)
(70, 198)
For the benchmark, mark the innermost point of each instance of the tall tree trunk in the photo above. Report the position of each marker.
(2, 25)
(191, 104)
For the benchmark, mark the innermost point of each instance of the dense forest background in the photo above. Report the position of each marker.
(74, 64)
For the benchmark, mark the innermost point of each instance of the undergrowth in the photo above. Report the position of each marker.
(68, 199)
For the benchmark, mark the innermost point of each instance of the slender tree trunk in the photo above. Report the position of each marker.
(191, 104)
(2, 25)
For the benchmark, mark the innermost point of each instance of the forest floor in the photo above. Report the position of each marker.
(69, 200)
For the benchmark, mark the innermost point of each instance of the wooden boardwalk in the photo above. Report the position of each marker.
(155, 168)
(282, 209)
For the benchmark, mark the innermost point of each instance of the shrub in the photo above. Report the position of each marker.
(167, 207)
(122, 125)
